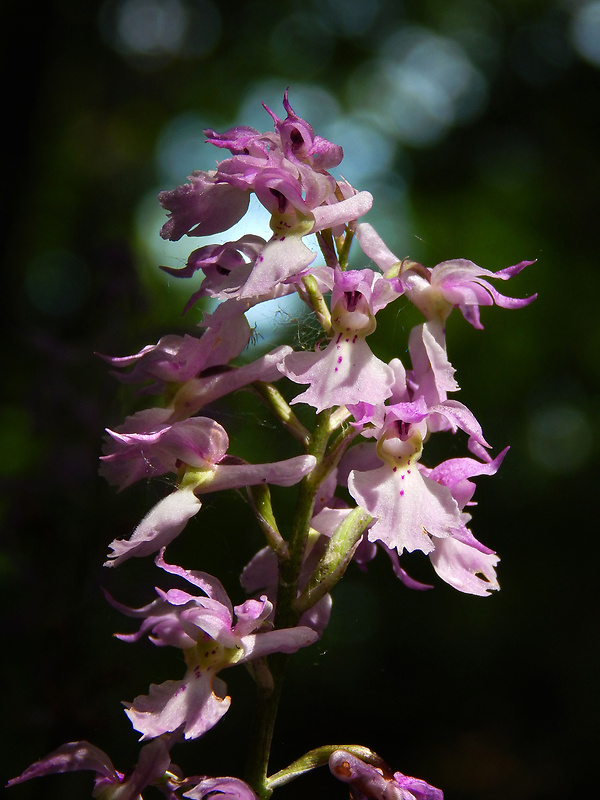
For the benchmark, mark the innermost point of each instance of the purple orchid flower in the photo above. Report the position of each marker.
(154, 768)
(452, 284)
(368, 782)
(167, 519)
(467, 566)
(409, 508)
(176, 359)
(204, 627)
(300, 142)
(285, 255)
(272, 268)
(417, 508)
(283, 172)
(226, 267)
(198, 442)
(202, 444)
(229, 275)
(144, 445)
(155, 450)
(286, 171)
(347, 371)
(202, 207)
(459, 284)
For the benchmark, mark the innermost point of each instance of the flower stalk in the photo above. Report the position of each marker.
(364, 480)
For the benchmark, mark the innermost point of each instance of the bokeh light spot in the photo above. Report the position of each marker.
(585, 32)
(152, 32)
(367, 153)
(182, 149)
(420, 86)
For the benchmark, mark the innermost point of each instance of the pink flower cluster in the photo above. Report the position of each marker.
(372, 487)
(414, 507)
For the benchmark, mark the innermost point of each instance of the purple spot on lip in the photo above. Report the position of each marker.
(339, 359)
(336, 369)
(401, 492)
(394, 470)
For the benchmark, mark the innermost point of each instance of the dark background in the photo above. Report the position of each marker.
(475, 126)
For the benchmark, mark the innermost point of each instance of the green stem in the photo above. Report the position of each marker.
(257, 764)
(290, 571)
(286, 616)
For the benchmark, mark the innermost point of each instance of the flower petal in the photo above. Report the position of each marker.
(158, 528)
(70, 757)
(464, 567)
(191, 703)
